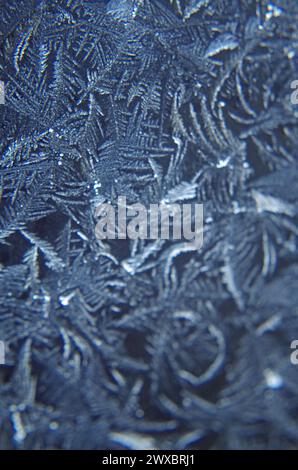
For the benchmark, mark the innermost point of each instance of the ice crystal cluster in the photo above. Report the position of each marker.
(144, 344)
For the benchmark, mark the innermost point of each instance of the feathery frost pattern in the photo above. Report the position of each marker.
(129, 344)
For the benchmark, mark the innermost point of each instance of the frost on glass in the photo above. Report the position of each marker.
(148, 344)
